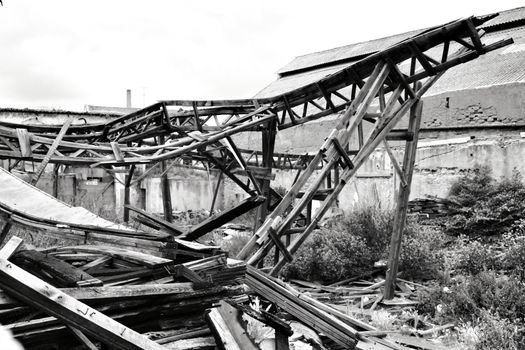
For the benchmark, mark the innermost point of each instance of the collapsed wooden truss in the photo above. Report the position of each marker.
(395, 79)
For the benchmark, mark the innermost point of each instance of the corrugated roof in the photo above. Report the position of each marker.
(347, 53)
(344, 53)
(497, 67)
(505, 17)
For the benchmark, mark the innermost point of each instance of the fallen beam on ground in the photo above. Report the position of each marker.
(51, 300)
(335, 329)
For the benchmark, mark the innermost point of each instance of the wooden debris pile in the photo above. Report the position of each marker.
(81, 296)
(429, 207)
(346, 313)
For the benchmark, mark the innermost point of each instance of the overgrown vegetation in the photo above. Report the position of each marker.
(484, 206)
(487, 292)
(472, 262)
(350, 247)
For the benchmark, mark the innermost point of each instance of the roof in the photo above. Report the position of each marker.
(505, 18)
(344, 53)
(498, 67)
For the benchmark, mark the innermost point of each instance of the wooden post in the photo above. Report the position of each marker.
(56, 168)
(166, 194)
(402, 201)
(216, 192)
(268, 146)
(165, 187)
(127, 194)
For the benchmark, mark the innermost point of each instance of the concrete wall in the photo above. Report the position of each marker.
(50, 117)
(190, 190)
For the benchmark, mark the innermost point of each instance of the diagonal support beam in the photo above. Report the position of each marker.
(402, 201)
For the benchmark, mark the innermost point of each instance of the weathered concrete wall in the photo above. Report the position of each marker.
(50, 117)
(439, 166)
(190, 190)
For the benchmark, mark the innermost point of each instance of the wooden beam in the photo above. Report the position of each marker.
(88, 344)
(10, 247)
(54, 302)
(127, 191)
(24, 142)
(170, 227)
(51, 151)
(5, 227)
(223, 336)
(65, 275)
(393, 159)
(402, 201)
(117, 153)
(165, 189)
(222, 218)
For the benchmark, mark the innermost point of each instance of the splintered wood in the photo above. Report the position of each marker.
(105, 295)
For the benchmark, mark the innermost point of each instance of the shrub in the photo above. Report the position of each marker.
(496, 332)
(330, 255)
(421, 255)
(350, 247)
(475, 257)
(484, 206)
(514, 258)
(469, 296)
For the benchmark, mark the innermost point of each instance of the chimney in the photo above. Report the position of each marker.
(128, 98)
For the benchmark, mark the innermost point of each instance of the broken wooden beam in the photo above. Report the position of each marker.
(222, 218)
(43, 296)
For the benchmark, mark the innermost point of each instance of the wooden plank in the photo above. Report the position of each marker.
(10, 247)
(393, 159)
(223, 336)
(320, 320)
(82, 338)
(51, 151)
(65, 274)
(96, 263)
(170, 227)
(236, 324)
(147, 260)
(54, 302)
(117, 153)
(222, 218)
(24, 142)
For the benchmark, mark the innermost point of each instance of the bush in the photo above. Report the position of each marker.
(514, 259)
(496, 332)
(484, 206)
(330, 255)
(470, 296)
(421, 255)
(475, 257)
(350, 247)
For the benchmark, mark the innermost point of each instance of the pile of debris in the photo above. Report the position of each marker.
(429, 207)
(61, 298)
(352, 314)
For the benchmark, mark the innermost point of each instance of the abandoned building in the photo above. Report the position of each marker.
(338, 129)
(474, 115)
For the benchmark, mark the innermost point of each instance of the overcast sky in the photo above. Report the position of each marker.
(68, 53)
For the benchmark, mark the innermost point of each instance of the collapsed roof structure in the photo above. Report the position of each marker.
(395, 78)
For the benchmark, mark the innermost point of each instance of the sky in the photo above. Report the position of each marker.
(66, 54)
